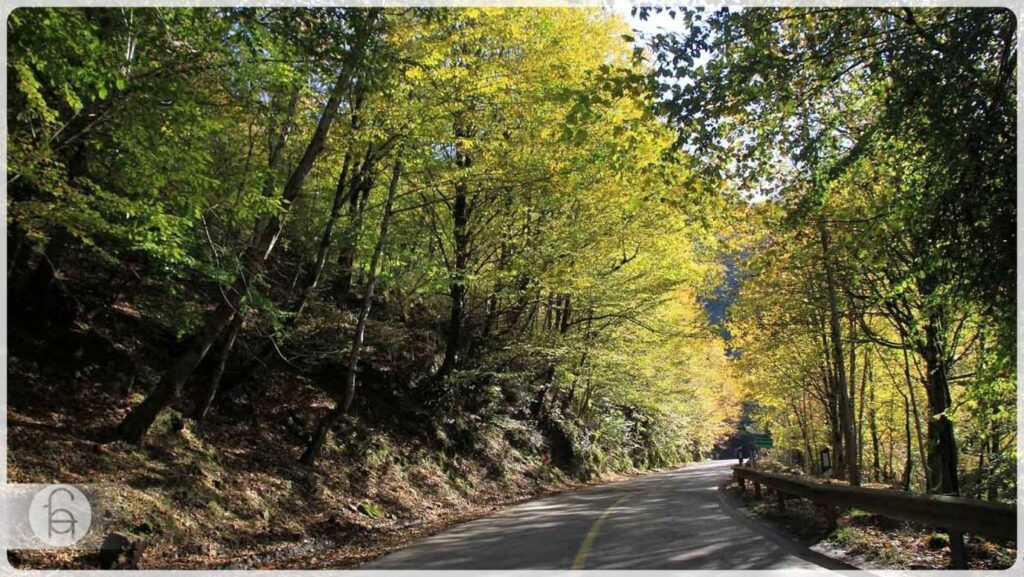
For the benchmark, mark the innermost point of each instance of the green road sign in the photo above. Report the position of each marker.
(763, 442)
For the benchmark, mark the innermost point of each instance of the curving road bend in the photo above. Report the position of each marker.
(673, 520)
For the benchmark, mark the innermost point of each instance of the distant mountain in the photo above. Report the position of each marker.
(725, 294)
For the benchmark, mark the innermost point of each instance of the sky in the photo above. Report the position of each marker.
(652, 24)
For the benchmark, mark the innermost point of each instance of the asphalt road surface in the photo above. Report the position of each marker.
(673, 520)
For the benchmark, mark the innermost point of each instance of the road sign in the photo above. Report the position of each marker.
(763, 442)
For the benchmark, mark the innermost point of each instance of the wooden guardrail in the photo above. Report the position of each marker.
(997, 520)
(957, 515)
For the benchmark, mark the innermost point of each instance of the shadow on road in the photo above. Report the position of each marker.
(674, 520)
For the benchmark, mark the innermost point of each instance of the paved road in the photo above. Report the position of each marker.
(674, 520)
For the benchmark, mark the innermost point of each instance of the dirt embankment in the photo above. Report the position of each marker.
(231, 493)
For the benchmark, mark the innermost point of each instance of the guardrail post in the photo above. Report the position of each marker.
(957, 551)
(782, 500)
(757, 489)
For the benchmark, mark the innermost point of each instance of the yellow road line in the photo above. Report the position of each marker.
(588, 541)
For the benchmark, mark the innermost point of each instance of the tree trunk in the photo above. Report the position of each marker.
(315, 444)
(835, 432)
(831, 400)
(566, 314)
(567, 401)
(979, 472)
(588, 390)
(549, 312)
(539, 408)
(908, 468)
(134, 426)
(890, 470)
(460, 234)
(343, 191)
(876, 467)
(845, 410)
(917, 418)
(852, 383)
(835, 435)
(994, 453)
(206, 394)
(942, 452)
(362, 184)
(805, 436)
(865, 375)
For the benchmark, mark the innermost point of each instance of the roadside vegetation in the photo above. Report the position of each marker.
(275, 273)
(876, 316)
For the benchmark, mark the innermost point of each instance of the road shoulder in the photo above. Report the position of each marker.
(778, 534)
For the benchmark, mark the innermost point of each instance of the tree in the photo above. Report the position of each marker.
(134, 426)
(837, 94)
